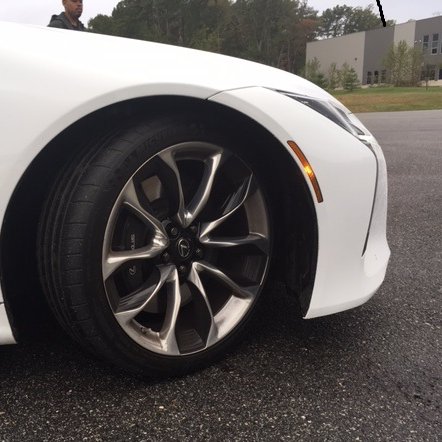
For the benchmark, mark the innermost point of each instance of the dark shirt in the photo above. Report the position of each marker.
(62, 22)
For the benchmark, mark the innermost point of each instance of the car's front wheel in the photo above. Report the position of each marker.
(155, 245)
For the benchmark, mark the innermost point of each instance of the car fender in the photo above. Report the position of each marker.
(346, 170)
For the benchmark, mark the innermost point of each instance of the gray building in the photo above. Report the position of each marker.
(364, 51)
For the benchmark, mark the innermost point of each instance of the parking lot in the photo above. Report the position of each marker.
(372, 373)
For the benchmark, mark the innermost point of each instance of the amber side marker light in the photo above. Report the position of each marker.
(308, 169)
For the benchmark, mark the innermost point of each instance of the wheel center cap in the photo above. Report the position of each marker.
(184, 248)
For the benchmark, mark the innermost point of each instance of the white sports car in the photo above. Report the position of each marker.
(155, 190)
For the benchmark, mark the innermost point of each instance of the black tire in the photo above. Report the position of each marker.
(197, 281)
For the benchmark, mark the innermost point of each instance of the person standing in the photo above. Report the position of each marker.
(70, 18)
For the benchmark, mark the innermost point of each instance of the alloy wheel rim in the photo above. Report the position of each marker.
(186, 249)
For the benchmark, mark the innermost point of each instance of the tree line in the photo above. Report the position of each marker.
(273, 32)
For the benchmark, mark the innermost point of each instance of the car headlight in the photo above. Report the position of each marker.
(333, 113)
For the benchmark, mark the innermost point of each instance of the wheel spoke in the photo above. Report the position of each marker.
(130, 200)
(186, 215)
(254, 239)
(233, 204)
(203, 193)
(196, 281)
(240, 292)
(132, 304)
(160, 241)
(167, 333)
(169, 159)
(114, 260)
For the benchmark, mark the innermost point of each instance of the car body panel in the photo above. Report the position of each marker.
(36, 67)
(99, 71)
(347, 172)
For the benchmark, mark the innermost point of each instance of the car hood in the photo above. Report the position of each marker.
(98, 58)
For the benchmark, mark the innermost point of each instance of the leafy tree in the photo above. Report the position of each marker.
(403, 64)
(304, 31)
(333, 21)
(272, 31)
(343, 20)
(416, 61)
(334, 77)
(428, 72)
(344, 71)
(362, 19)
(312, 72)
(101, 22)
(350, 80)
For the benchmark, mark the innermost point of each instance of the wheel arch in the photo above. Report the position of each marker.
(289, 197)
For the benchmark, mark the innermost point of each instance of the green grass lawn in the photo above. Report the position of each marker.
(385, 99)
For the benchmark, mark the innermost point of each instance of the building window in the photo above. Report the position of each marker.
(425, 43)
(435, 43)
(440, 74)
(384, 76)
(369, 77)
(376, 77)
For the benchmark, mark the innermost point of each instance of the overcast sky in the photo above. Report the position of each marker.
(39, 11)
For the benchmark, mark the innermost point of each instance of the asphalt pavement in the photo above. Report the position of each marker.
(369, 374)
